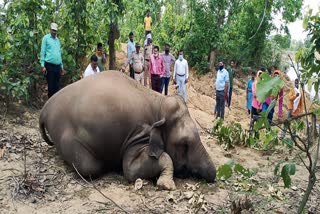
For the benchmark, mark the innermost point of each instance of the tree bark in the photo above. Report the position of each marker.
(113, 35)
(213, 54)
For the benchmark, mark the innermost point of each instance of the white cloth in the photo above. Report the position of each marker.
(297, 100)
(146, 40)
(89, 71)
(181, 82)
(181, 68)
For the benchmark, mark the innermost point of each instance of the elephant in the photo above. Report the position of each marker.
(108, 122)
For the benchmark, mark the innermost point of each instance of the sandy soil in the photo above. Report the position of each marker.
(34, 179)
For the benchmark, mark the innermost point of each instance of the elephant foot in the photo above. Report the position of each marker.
(166, 183)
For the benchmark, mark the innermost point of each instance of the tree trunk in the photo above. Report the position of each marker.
(213, 54)
(113, 35)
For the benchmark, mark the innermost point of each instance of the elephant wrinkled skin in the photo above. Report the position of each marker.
(108, 121)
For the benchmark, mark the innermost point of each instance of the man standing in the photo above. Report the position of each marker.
(156, 69)
(137, 64)
(168, 59)
(51, 60)
(231, 72)
(101, 57)
(148, 23)
(222, 83)
(130, 49)
(93, 67)
(147, 56)
(181, 75)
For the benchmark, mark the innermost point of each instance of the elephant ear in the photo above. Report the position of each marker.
(156, 144)
(138, 135)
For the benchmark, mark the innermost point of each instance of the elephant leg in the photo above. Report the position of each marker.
(147, 167)
(77, 155)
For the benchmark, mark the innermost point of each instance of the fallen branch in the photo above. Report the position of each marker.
(204, 129)
(94, 187)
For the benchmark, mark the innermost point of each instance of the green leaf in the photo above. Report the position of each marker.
(267, 86)
(276, 169)
(305, 22)
(288, 142)
(259, 124)
(240, 169)
(288, 170)
(317, 111)
(230, 163)
(300, 125)
(224, 172)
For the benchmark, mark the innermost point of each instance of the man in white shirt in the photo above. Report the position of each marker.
(181, 75)
(92, 68)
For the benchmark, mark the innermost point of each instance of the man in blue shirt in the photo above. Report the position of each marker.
(51, 60)
(130, 49)
(222, 83)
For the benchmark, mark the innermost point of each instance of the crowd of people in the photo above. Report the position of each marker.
(254, 107)
(154, 70)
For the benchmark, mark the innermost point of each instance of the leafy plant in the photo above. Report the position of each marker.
(227, 170)
(287, 171)
(232, 135)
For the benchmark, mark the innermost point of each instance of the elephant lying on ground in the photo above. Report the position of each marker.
(109, 121)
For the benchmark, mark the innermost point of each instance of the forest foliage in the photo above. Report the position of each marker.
(208, 31)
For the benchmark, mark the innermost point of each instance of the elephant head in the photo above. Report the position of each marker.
(182, 141)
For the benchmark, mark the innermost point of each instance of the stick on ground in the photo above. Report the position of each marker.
(94, 187)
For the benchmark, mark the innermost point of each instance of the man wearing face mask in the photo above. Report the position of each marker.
(296, 104)
(181, 75)
(168, 59)
(156, 69)
(222, 84)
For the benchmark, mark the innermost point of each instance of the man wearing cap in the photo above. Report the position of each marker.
(147, 55)
(51, 60)
(137, 64)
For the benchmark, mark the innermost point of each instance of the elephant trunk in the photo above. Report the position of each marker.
(208, 171)
(202, 166)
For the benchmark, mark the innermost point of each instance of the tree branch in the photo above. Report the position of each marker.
(94, 187)
(264, 14)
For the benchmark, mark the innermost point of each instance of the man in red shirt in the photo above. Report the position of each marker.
(156, 69)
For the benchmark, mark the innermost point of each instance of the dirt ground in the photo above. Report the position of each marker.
(34, 179)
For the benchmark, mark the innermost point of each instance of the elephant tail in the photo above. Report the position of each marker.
(43, 132)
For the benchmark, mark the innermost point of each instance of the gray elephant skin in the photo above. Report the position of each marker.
(109, 122)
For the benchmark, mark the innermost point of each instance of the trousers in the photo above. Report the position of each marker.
(220, 103)
(53, 78)
(181, 82)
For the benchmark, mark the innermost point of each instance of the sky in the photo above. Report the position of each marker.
(295, 28)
